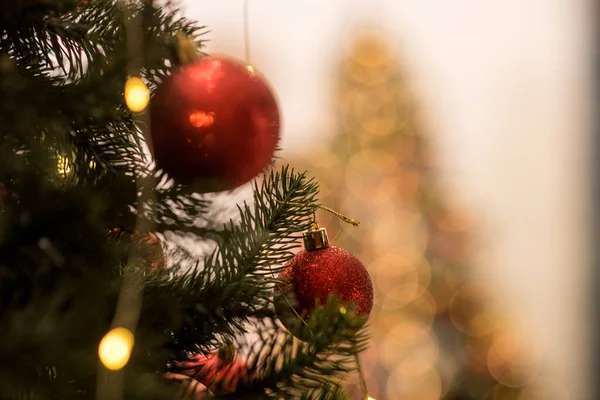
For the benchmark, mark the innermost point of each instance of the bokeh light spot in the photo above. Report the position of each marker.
(63, 166)
(472, 310)
(137, 95)
(115, 348)
(202, 119)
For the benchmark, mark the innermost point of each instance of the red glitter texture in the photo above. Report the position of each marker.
(314, 274)
(214, 123)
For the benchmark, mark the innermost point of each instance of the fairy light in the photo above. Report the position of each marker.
(115, 348)
(137, 95)
(63, 166)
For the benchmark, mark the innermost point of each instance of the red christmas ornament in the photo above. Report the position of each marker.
(321, 270)
(217, 374)
(214, 123)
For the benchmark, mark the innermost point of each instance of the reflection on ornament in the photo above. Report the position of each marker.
(202, 119)
(137, 94)
(115, 348)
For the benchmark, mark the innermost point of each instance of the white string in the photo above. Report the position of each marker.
(246, 34)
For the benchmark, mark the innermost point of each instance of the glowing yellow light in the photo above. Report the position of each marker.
(343, 310)
(250, 69)
(202, 119)
(63, 166)
(137, 94)
(92, 164)
(370, 398)
(115, 348)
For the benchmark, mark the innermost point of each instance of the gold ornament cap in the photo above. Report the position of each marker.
(316, 239)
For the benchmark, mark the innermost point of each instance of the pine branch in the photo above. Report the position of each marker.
(88, 46)
(286, 368)
(235, 282)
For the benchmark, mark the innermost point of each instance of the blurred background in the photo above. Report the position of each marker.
(460, 133)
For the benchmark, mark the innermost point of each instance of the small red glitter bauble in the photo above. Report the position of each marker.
(214, 123)
(315, 274)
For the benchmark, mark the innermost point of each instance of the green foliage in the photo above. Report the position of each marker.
(65, 239)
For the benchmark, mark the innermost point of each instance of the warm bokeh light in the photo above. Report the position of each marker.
(373, 169)
(427, 386)
(202, 119)
(472, 310)
(400, 278)
(512, 360)
(410, 346)
(544, 389)
(453, 220)
(515, 347)
(137, 95)
(115, 348)
(63, 165)
(438, 332)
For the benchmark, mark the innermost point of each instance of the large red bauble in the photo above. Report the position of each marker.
(214, 123)
(315, 274)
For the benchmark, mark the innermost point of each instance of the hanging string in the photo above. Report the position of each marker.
(246, 33)
(343, 217)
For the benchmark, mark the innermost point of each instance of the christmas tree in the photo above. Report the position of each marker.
(99, 295)
(439, 332)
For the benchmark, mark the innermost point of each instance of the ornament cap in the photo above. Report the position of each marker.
(316, 239)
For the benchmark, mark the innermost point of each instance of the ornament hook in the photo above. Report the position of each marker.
(343, 217)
